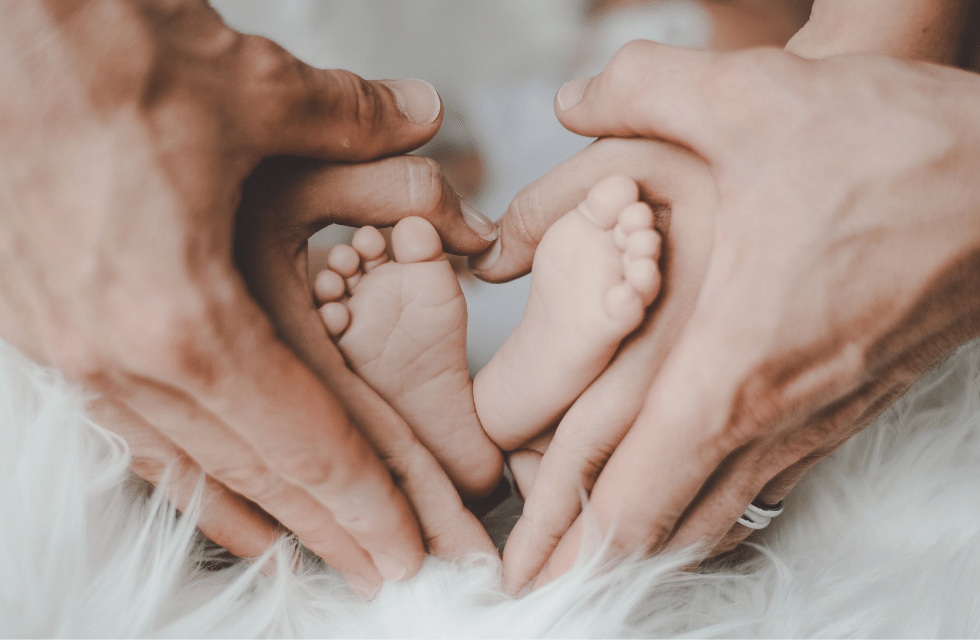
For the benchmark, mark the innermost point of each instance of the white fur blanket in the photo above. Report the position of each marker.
(882, 539)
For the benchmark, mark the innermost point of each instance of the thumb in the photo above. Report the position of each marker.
(331, 114)
(647, 90)
(306, 195)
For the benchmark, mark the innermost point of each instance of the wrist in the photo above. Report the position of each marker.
(930, 31)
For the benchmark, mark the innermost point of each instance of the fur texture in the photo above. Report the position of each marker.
(882, 539)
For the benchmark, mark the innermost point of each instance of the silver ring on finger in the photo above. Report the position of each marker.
(758, 514)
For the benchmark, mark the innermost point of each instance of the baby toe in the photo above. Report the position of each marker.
(335, 317)
(643, 244)
(344, 259)
(625, 306)
(633, 218)
(643, 277)
(329, 286)
(414, 239)
(370, 245)
(607, 199)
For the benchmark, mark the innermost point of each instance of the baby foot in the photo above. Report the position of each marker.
(401, 326)
(595, 272)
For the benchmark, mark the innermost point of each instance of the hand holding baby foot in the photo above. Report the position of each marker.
(122, 173)
(551, 470)
(834, 278)
(285, 203)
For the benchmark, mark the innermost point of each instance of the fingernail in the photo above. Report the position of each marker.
(571, 93)
(485, 260)
(361, 585)
(479, 223)
(417, 99)
(390, 567)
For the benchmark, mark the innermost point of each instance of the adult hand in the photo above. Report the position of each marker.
(552, 468)
(287, 200)
(845, 248)
(127, 132)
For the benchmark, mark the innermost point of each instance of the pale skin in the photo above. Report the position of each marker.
(129, 132)
(813, 319)
(401, 325)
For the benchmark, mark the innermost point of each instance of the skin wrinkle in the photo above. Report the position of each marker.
(526, 200)
(957, 281)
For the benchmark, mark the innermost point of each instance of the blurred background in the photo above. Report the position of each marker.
(497, 65)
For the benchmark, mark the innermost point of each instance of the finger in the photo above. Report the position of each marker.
(230, 460)
(792, 454)
(738, 481)
(525, 462)
(312, 195)
(664, 172)
(449, 530)
(226, 518)
(586, 436)
(296, 109)
(775, 491)
(229, 362)
(647, 90)
(680, 437)
(692, 421)
(597, 422)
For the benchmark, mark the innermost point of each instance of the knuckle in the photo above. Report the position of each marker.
(317, 466)
(593, 461)
(753, 408)
(168, 470)
(223, 41)
(735, 536)
(426, 187)
(253, 480)
(150, 468)
(307, 469)
(628, 75)
(277, 79)
(79, 360)
(369, 107)
(442, 528)
(631, 58)
(175, 341)
(642, 534)
(524, 217)
(359, 104)
(268, 62)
